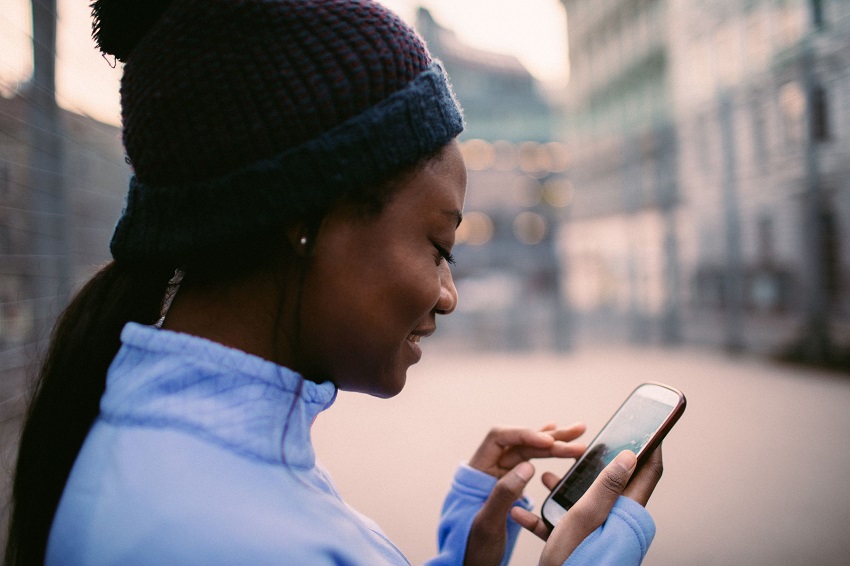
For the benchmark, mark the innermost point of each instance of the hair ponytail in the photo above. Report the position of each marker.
(67, 396)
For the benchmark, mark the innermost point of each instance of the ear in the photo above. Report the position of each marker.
(299, 239)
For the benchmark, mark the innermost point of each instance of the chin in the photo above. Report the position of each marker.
(389, 384)
(391, 389)
(384, 387)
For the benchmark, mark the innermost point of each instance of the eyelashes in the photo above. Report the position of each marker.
(445, 254)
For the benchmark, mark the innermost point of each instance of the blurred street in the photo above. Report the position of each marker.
(755, 472)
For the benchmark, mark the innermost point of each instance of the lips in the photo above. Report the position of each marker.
(417, 335)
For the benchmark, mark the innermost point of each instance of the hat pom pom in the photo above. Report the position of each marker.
(118, 25)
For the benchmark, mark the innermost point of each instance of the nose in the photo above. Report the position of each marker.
(447, 302)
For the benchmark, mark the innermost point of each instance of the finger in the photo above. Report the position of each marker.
(568, 433)
(505, 493)
(487, 534)
(509, 437)
(500, 439)
(550, 480)
(646, 477)
(558, 450)
(530, 522)
(593, 508)
(548, 426)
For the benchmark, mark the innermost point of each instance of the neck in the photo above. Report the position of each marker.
(252, 314)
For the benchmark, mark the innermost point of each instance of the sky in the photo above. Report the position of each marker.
(532, 30)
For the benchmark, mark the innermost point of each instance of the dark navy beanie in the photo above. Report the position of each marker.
(242, 115)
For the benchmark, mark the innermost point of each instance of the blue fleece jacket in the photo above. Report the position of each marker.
(202, 455)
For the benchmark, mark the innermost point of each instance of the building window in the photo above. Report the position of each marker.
(765, 239)
(819, 115)
(705, 150)
(5, 236)
(817, 14)
(831, 253)
(5, 183)
(792, 101)
(760, 153)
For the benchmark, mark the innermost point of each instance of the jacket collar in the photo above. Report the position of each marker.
(242, 403)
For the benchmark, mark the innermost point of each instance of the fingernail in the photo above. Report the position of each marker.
(525, 471)
(626, 460)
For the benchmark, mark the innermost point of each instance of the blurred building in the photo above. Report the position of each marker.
(507, 271)
(93, 178)
(622, 240)
(712, 169)
(500, 98)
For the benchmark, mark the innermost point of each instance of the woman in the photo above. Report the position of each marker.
(288, 233)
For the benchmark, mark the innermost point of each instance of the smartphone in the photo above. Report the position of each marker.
(639, 425)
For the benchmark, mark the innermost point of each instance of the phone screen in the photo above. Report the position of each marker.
(631, 428)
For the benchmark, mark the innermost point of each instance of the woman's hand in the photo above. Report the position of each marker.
(504, 454)
(504, 448)
(591, 511)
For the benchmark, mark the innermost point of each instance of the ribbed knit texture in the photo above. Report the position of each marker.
(241, 115)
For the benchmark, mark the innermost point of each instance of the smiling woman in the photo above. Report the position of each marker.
(288, 233)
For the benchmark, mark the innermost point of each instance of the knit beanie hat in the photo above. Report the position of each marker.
(241, 115)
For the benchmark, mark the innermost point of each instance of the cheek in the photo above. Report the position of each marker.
(416, 288)
(380, 297)
(384, 300)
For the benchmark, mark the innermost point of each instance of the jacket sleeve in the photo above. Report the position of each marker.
(622, 540)
(468, 493)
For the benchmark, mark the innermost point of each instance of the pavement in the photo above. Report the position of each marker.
(755, 471)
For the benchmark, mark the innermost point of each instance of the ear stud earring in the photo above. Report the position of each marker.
(303, 240)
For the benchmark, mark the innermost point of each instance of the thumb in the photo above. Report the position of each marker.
(591, 511)
(488, 533)
(505, 493)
